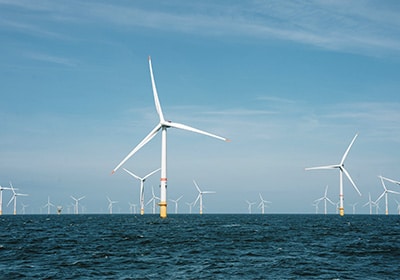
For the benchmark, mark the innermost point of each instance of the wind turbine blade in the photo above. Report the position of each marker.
(192, 129)
(131, 173)
(12, 198)
(148, 175)
(81, 197)
(209, 192)
(383, 183)
(197, 187)
(394, 192)
(330, 201)
(379, 198)
(139, 146)
(196, 199)
(319, 199)
(323, 167)
(351, 180)
(348, 149)
(156, 100)
(390, 180)
(179, 198)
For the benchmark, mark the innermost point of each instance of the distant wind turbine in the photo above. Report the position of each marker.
(398, 206)
(385, 193)
(325, 199)
(110, 204)
(249, 205)
(132, 208)
(315, 204)
(14, 198)
(1, 198)
(263, 203)
(200, 196)
(163, 125)
(370, 203)
(354, 207)
(23, 208)
(153, 199)
(342, 170)
(176, 203)
(142, 180)
(190, 204)
(76, 207)
(48, 205)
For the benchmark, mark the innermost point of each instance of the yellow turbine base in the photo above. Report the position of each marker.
(341, 211)
(163, 209)
(1, 212)
(141, 211)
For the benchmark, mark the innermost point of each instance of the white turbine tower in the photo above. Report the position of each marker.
(325, 199)
(200, 196)
(385, 193)
(249, 205)
(142, 180)
(1, 198)
(48, 205)
(342, 170)
(14, 198)
(176, 203)
(263, 203)
(110, 204)
(153, 199)
(76, 207)
(163, 125)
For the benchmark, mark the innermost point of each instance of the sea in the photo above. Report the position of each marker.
(208, 246)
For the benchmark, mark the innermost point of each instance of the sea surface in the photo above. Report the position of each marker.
(184, 246)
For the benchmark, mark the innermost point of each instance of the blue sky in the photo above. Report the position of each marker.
(290, 83)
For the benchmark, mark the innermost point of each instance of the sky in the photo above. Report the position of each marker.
(289, 83)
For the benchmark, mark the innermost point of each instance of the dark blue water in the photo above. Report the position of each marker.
(199, 247)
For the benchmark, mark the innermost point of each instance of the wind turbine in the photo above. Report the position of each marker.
(354, 207)
(14, 198)
(1, 198)
(132, 208)
(23, 208)
(398, 206)
(190, 204)
(342, 170)
(76, 210)
(163, 125)
(325, 199)
(385, 193)
(153, 199)
(176, 203)
(316, 206)
(48, 205)
(110, 205)
(200, 196)
(263, 203)
(370, 203)
(249, 205)
(142, 180)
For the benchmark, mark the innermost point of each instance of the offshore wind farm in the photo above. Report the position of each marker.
(295, 85)
(289, 97)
